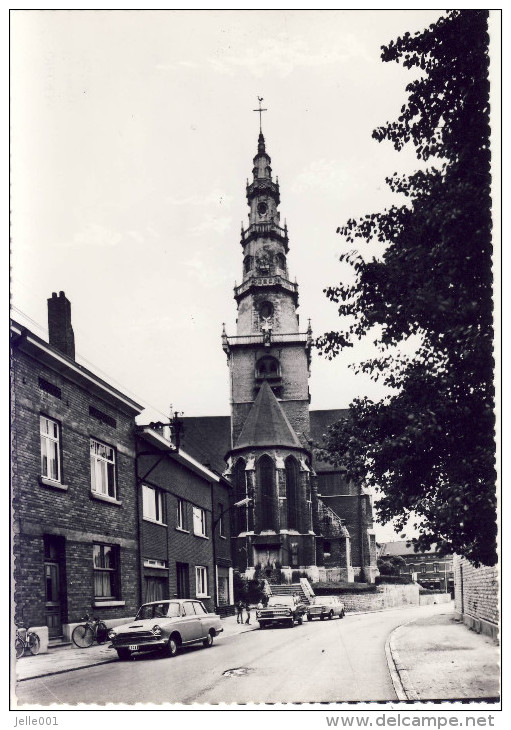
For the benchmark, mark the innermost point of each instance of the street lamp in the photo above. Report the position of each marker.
(241, 503)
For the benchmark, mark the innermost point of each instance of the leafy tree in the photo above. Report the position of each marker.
(391, 565)
(429, 447)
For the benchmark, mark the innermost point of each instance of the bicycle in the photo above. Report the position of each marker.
(26, 640)
(83, 635)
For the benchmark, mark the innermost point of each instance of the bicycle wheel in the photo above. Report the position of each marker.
(83, 636)
(34, 643)
(101, 632)
(20, 648)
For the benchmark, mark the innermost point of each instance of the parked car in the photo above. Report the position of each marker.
(166, 625)
(325, 607)
(281, 610)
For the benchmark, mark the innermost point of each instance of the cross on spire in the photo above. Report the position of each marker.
(260, 110)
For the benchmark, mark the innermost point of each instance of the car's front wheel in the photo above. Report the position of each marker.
(342, 614)
(291, 623)
(300, 620)
(262, 624)
(208, 641)
(123, 654)
(172, 646)
(331, 615)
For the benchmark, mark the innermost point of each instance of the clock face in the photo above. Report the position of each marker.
(262, 208)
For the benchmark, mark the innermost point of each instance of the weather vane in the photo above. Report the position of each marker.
(260, 110)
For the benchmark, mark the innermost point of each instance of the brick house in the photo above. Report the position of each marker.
(74, 519)
(184, 525)
(476, 596)
(429, 569)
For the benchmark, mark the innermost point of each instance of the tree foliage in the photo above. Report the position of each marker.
(391, 565)
(430, 447)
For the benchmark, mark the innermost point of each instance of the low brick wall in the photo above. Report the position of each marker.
(386, 596)
(476, 596)
(429, 599)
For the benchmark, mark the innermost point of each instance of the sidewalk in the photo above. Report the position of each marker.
(68, 658)
(439, 658)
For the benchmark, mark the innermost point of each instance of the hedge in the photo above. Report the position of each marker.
(394, 579)
(328, 589)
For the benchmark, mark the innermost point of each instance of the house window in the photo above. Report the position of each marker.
(152, 504)
(199, 522)
(106, 571)
(201, 581)
(435, 567)
(423, 567)
(50, 448)
(102, 469)
(181, 521)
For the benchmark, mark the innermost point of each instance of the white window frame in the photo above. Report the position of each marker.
(113, 573)
(50, 448)
(153, 504)
(201, 581)
(200, 525)
(99, 470)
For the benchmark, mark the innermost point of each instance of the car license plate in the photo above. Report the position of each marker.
(133, 647)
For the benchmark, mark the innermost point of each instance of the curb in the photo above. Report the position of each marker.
(93, 663)
(398, 672)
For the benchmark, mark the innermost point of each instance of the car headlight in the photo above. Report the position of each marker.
(288, 612)
(112, 634)
(258, 614)
(156, 630)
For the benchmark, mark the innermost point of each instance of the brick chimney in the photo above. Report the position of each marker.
(61, 334)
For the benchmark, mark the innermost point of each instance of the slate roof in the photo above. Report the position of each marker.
(267, 424)
(320, 421)
(402, 547)
(208, 438)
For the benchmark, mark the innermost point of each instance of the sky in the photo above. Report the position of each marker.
(132, 137)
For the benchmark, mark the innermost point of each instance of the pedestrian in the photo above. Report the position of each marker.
(247, 607)
(239, 612)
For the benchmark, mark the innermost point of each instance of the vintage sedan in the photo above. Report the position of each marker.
(281, 610)
(167, 626)
(325, 607)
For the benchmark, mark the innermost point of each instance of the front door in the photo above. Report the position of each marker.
(53, 607)
(53, 562)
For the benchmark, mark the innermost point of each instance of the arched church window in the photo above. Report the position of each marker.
(239, 519)
(268, 367)
(248, 264)
(280, 260)
(292, 492)
(265, 310)
(266, 482)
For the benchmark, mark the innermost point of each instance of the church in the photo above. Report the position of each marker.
(290, 513)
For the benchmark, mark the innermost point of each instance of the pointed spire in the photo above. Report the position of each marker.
(261, 149)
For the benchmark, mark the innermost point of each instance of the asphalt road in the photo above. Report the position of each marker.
(322, 661)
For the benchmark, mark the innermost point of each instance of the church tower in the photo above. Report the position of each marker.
(269, 360)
